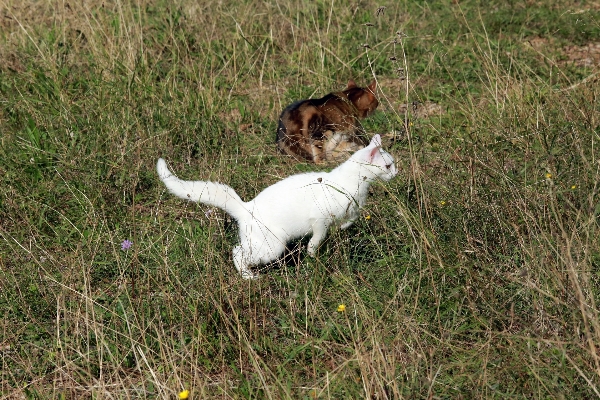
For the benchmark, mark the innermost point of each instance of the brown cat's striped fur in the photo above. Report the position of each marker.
(328, 128)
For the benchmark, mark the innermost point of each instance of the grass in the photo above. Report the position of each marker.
(476, 274)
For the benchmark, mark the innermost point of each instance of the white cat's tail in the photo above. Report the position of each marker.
(211, 193)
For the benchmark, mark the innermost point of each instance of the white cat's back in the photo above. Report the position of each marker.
(294, 203)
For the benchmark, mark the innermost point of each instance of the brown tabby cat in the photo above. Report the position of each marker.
(328, 128)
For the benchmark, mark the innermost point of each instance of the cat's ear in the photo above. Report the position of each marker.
(351, 84)
(376, 141)
(373, 153)
(373, 87)
(374, 147)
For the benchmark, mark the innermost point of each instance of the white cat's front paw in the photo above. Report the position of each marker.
(248, 274)
(311, 251)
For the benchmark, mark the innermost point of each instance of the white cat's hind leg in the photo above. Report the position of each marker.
(241, 262)
(347, 224)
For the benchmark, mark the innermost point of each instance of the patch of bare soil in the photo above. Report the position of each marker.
(422, 110)
(391, 84)
(587, 55)
(538, 43)
(584, 56)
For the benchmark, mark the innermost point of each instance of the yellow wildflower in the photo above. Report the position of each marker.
(183, 395)
(367, 217)
(442, 203)
(341, 308)
(573, 187)
(548, 175)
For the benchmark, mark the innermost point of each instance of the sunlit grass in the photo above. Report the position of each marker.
(473, 274)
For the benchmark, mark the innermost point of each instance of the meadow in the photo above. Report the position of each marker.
(474, 274)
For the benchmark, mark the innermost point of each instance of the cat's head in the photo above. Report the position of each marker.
(378, 163)
(363, 98)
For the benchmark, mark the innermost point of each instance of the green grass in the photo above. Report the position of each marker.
(476, 274)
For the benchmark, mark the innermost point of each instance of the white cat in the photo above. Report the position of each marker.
(292, 208)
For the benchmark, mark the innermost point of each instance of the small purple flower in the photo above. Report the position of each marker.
(126, 244)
